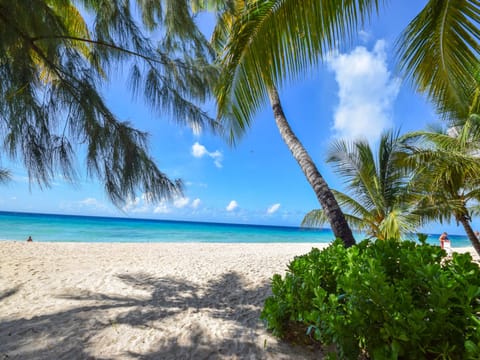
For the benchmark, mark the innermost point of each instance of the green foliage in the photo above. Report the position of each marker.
(445, 167)
(439, 50)
(388, 299)
(265, 42)
(271, 42)
(378, 200)
(293, 295)
(56, 57)
(422, 238)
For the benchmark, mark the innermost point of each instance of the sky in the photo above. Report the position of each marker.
(355, 93)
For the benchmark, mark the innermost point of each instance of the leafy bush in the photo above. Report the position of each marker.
(386, 299)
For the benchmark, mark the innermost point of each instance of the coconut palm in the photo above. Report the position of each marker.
(265, 42)
(258, 45)
(53, 63)
(378, 201)
(446, 167)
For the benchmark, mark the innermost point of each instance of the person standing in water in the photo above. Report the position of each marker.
(442, 239)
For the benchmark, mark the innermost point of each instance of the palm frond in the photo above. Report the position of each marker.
(354, 207)
(5, 176)
(380, 200)
(317, 218)
(355, 164)
(268, 41)
(439, 51)
(446, 169)
(377, 181)
(398, 223)
(314, 218)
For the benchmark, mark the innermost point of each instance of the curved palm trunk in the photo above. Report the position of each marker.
(324, 195)
(471, 235)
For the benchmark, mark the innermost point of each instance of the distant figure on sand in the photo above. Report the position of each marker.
(443, 238)
(29, 239)
(477, 234)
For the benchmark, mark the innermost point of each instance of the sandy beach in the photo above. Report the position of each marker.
(140, 301)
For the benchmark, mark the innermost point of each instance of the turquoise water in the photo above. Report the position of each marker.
(69, 228)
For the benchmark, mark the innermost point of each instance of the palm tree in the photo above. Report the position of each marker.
(324, 195)
(378, 202)
(446, 168)
(266, 41)
(439, 51)
(261, 42)
(53, 63)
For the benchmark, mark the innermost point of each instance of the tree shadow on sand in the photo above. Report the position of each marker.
(7, 293)
(71, 334)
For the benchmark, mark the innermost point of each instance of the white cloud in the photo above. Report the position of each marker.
(162, 208)
(88, 201)
(232, 205)
(217, 158)
(142, 204)
(198, 151)
(138, 204)
(91, 203)
(195, 203)
(364, 36)
(131, 204)
(366, 92)
(200, 185)
(148, 196)
(181, 202)
(272, 209)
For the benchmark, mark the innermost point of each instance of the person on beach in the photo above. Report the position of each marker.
(443, 238)
(477, 234)
(29, 239)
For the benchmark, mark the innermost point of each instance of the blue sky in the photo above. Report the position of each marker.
(355, 93)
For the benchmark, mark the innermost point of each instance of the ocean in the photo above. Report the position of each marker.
(73, 228)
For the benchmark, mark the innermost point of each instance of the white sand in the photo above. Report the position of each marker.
(140, 301)
(467, 249)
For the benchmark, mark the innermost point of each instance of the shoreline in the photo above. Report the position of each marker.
(320, 243)
(300, 245)
(142, 300)
(79, 228)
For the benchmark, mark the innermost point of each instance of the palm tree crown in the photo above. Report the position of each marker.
(446, 168)
(378, 201)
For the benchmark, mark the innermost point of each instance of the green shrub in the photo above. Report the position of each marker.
(388, 299)
(294, 294)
